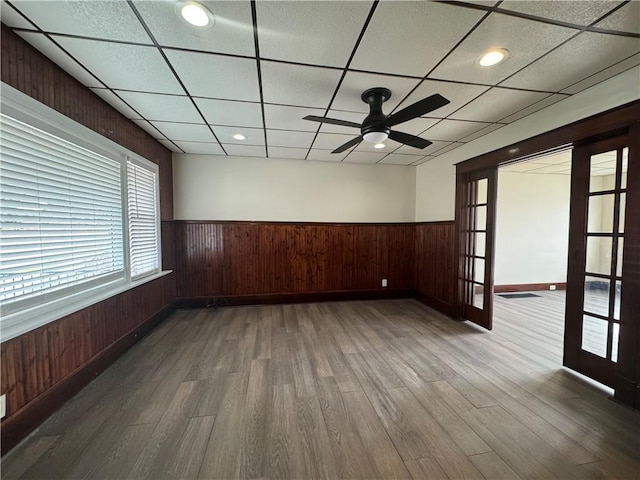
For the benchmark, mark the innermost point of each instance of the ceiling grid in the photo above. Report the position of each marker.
(263, 66)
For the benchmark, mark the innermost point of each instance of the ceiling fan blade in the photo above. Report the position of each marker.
(410, 140)
(416, 110)
(348, 145)
(332, 121)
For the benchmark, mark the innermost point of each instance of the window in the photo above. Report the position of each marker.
(79, 219)
(60, 217)
(143, 215)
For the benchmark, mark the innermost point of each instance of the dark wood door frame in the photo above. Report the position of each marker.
(624, 119)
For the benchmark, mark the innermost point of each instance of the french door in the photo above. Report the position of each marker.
(599, 307)
(475, 213)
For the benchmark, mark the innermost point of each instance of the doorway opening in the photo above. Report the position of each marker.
(531, 249)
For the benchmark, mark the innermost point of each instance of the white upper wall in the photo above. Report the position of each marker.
(532, 228)
(208, 187)
(435, 180)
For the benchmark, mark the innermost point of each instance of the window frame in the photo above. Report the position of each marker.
(20, 106)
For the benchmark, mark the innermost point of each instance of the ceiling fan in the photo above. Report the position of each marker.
(376, 127)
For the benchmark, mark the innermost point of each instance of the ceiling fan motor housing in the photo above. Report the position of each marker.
(374, 122)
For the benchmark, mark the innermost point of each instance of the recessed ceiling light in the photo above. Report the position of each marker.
(195, 13)
(379, 145)
(493, 57)
(239, 136)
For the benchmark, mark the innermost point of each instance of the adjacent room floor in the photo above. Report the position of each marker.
(380, 389)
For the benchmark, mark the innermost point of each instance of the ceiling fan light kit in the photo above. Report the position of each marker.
(376, 127)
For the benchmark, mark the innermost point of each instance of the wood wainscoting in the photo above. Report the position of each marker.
(435, 266)
(267, 262)
(260, 261)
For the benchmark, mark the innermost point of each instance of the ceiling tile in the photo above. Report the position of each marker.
(483, 132)
(364, 157)
(458, 95)
(526, 40)
(285, 138)
(410, 38)
(431, 149)
(231, 33)
(578, 12)
(625, 19)
(168, 108)
(55, 53)
(555, 169)
(544, 103)
(126, 67)
(297, 85)
(395, 159)
(331, 141)
(170, 146)
(234, 79)
(448, 148)
(290, 118)
(497, 103)
(603, 75)
(355, 83)
(425, 159)
(283, 152)
(186, 132)
(325, 155)
(108, 19)
(577, 59)
(245, 150)
(321, 33)
(227, 112)
(11, 18)
(254, 136)
(147, 127)
(453, 130)
(201, 148)
(113, 100)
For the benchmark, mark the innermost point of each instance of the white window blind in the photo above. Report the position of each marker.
(61, 220)
(143, 220)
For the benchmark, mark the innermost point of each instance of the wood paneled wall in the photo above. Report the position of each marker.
(435, 265)
(41, 368)
(27, 70)
(246, 258)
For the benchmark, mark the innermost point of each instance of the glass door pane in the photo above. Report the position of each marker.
(476, 204)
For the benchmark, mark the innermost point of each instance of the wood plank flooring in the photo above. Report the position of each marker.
(378, 389)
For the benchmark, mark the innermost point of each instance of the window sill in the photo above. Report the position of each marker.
(19, 323)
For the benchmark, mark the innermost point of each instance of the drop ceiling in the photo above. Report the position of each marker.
(266, 64)
(560, 164)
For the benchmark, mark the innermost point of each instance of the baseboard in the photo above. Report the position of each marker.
(307, 297)
(435, 303)
(528, 287)
(16, 427)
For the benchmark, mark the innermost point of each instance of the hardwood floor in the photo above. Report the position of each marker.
(379, 389)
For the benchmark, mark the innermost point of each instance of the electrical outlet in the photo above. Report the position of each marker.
(552, 287)
(3, 406)
(384, 282)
